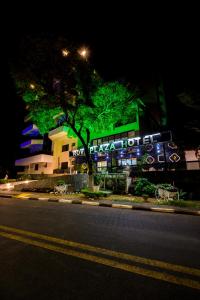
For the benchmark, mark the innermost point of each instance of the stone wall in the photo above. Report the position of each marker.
(76, 183)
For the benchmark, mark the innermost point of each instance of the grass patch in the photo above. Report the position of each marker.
(90, 194)
(179, 203)
(127, 199)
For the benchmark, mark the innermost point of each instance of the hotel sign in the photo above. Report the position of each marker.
(126, 143)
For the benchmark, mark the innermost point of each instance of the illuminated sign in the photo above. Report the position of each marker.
(132, 142)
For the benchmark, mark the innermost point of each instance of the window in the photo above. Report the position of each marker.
(127, 162)
(36, 167)
(73, 146)
(64, 165)
(101, 164)
(99, 141)
(105, 140)
(65, 148)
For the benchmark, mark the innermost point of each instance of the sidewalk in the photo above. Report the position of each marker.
(119, 202)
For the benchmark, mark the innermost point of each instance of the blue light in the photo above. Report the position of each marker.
(31, 130)
(25, 144)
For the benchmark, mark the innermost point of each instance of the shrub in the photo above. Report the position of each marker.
(97, 179)
(91, 194)
(143, 186)
(12, 180)
(3, 181)
(60, 182)
(167, 187)
(25, 177)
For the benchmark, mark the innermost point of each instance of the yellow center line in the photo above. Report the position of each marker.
(23, 196)
(107, 262)
(121, 255)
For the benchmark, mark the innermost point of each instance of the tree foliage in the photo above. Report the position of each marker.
(51, 83)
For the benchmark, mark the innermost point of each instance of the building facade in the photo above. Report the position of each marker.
(112, 151)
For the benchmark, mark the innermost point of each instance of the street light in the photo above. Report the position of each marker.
(65, 52)
(83, 52)
(32, 86)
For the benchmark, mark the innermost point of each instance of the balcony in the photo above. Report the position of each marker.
(58, 132)
(39, 158)
(31, 143)
(31, 130)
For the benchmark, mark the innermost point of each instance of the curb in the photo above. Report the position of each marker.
(103, 204)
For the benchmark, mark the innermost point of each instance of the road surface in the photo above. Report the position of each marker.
(62, 251)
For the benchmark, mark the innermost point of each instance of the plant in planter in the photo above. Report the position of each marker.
(97, 182)
(168, 187)
(167, 191)
(60, 182)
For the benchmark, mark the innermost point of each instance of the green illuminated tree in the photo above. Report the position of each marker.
(54, 78)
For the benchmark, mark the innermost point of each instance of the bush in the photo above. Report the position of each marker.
(25, 177)
(144, 187)
(11, 180)
(97, 179)
(2, 181)
(60, 182)
(167, 187)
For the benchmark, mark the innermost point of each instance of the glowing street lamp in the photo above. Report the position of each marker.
(32, 86)
(83, 52)
(65, 52)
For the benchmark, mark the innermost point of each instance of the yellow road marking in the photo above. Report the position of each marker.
(107, 262)
(23, 195)
(121, 255)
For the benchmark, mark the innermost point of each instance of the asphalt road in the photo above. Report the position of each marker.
(62, 251)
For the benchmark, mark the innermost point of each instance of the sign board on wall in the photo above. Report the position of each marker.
(125, 143)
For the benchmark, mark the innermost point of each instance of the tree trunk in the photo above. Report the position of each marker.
(87, 155)
(90, 166)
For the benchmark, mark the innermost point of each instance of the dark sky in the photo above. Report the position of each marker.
(130, 45)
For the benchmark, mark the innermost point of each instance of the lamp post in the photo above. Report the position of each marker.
(83, 52)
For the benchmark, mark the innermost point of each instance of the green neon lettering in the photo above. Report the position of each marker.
(137, 139)
(112, 147)
(131, 142)
(95, 148)
(107, 147)
(124, 144)
(101, 148)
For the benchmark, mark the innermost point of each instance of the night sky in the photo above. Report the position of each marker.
(131, 47)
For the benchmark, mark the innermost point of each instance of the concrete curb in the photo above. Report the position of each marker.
(104, 204)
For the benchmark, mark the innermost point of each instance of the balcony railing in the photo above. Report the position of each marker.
(61, 171)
